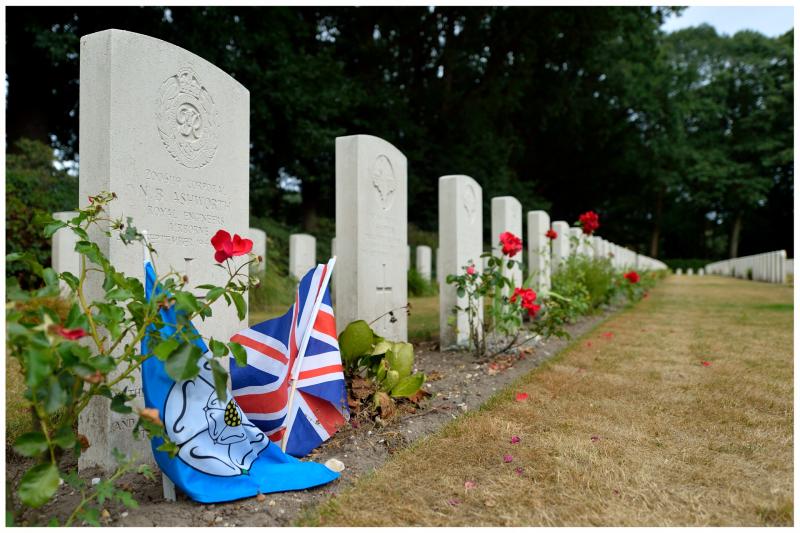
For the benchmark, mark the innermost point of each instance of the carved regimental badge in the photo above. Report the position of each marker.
(187, 119)
(384, 181)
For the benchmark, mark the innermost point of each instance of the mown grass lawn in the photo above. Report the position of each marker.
(628, 426)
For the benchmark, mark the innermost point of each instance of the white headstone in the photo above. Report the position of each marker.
(575, 241)
(371, 234)
(438, 268)
(168, 132)
(689, 272)
(64, 258)
(424, 261)
(560, 250)
(302, 254)
(507, 216)
(679, 272)
(460, 244)
(259, 238)
(539, 250)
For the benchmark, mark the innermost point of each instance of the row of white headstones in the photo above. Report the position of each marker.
(771, 267)
(169, 133)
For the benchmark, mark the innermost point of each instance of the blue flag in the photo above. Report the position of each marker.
(222, 456)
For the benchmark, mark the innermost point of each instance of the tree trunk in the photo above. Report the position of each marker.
(656, 235)
(310, 205)
(736, 232)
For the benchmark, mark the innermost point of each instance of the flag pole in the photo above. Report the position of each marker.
(303, 345)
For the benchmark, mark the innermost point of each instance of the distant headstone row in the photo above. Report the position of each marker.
(769, 267)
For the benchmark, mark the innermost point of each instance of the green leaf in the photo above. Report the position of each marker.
(104, 490)
(37, 363)
(408, 385)
(91, 515)
(355, 340)
(64, 437)
(119, 294)
(126, 498)
(214, 293)
(31, 444)
(70, 279)
(381, 347)
(118, 404)
(50, 229)
(163, 350)
(187, 302)
(401, 358)
(239, 353)
(241, 306)
(38, 485)
(391, 379)
(50, 277)
(91, 251)
(461, 292)
(56, 395)
(169, 447)
(182, 363)
(220, 380)
(218, 348)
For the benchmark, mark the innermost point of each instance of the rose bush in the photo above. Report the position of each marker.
(589, 222)
(72, 349)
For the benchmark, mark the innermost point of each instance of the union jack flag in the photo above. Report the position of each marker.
(292, 387)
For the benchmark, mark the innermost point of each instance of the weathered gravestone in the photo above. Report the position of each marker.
(560, 250)
(63, 256)
(539, 250)
(460, 244)
(259, 238)
(507, 216)
(371, 235)
(575, 241)
(168, 132)
(424, 262)
(302, 254)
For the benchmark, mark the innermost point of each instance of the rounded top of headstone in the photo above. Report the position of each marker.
(505, 199)
(375, 143)
(123, 37)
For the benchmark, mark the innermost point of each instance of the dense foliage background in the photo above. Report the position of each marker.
(683, 142)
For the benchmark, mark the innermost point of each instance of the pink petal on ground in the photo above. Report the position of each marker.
(515, 439)
(595, 438)
(518, 470)
(470, 484)
(706, 363)
(522, 396)
(453, 501)
(507, 458)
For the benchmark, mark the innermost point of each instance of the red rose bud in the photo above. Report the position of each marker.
(71, 334)
(512, 244)
(551, 234)
(589, 222)
(471, 270)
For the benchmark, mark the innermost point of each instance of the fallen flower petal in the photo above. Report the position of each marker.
(470, 485)
(608, 334)
(706, 363)
(453, 501)
(71, 334)
(595, 438)
(518, 471)
(507, 458)
(515, 440)
(522, 396)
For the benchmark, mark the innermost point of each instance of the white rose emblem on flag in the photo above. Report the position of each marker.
(214, 437)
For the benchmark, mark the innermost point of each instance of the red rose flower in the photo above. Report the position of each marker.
(227, 247)
(551, 234)
(589, 221)
(471, 270)
(511, 243)
(71, 334)
(527, 297)
(632, 276)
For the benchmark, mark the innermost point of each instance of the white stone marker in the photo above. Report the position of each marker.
(560, 250)
(460, 243)
(539, 250)
(689, 272)
(424, 262)
(64, 258)
(679, 272)
(438, 268)
(507, 216)
(302, 254)
(371, 234)
(259, 238)
(168, 132)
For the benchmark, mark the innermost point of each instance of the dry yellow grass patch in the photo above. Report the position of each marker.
(676, 443)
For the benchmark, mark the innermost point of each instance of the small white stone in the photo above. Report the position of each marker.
(334, 464)
(271, 503)
(60, 482)
(124, 514)
(95, 480)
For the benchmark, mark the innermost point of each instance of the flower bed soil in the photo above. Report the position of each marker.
(456, 382)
